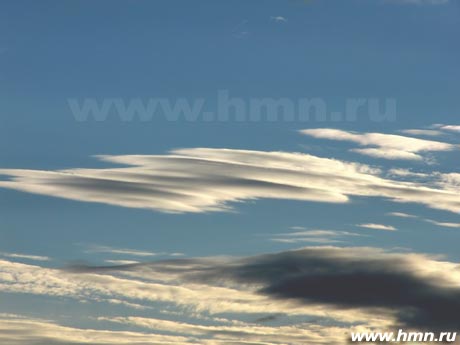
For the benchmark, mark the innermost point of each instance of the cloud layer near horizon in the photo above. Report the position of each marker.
(202, 180)
(415, 286)
(330, 290)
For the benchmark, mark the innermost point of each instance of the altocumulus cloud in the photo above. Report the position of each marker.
(159, 284)
(418, 291)
(325, 292)
(203, 180)
(17, 330)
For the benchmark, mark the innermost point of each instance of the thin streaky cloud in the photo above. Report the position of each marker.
(176, 254)
(122, 251)
(431, 221)
(386, 153)
(121, 262)
(377, 226)
(285, 334)
(25, 256)
(299, 228)
(303, 235)
(408, 173)
(402, 215)
(278, 19)
(380, 145)
(423, 132)
(450, 128)
(320, 233)
(443, 224)
(298, 240)
(19, 330)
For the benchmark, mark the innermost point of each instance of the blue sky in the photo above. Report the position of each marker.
(117, 192)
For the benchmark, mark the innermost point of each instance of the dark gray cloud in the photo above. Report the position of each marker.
(415, 287)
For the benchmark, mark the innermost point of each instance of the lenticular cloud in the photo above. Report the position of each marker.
(203, 180)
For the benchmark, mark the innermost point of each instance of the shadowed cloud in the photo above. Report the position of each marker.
(422, 292)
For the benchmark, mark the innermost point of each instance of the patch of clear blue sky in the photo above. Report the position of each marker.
(52, 50)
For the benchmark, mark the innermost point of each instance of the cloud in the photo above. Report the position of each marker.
(377, 226)
(401, 215)
(422, 132)
(146, 287)
(335, 289)
(244, 332)
(17, 330)
(25, 256)
(407, 173)
(122, 251)
(449, 128)
(313, 236)
(278, 19)
(206, 180)
(346, 281)
(431, 221)
(443, 224)
(154, 285)
(379, 145)
(419, 291)
(387, 153)
(121, 262)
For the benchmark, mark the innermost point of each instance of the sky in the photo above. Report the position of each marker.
(228, 172)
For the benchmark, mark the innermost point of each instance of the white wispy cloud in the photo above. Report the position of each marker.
(380, 145)
(377, 226)
(422, 132)
(25, 256)
(18, 330)
(448, 128)
(428, 220)
(246, 332)
(388, 153)
(304, 235)
(278, 19)
(123, 251)
(409, 173)
(443, 224)
(401, 215)
(121, 262)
